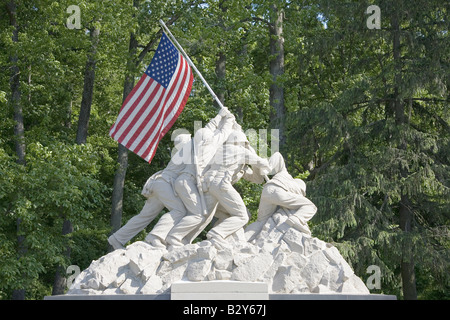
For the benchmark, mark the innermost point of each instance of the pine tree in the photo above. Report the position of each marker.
(378, 175)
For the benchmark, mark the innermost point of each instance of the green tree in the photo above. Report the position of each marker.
(376, 171)
(55, 181)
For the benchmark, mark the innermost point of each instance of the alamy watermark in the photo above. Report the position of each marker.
(72, 271)
(374, 20)
(74, 20)
(374, 281)
(264, 142)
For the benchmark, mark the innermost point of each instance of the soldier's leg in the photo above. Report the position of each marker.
(232, 202)
(186, 225)
(157, 237)
(299, 219)
(177, 211)
(211, 204)
(186, 189)
(136, 224)
(194, 221)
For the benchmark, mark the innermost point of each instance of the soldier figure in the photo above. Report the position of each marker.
(159, 193)
(228, 166)
(188, 185)
(283, 192)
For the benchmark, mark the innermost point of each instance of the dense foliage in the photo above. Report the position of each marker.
(364, 116)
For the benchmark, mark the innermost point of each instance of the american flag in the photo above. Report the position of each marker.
(155, 103)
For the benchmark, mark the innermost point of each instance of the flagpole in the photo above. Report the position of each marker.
(198, 177)
(191, 63)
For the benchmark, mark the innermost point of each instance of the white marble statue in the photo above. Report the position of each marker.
(201, 185)
(283, 193)
(277, 249)
(177, 184)
(230, 163)
(188, 185)
(160, 194)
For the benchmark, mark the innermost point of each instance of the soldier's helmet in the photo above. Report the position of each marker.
(237, 137)
(181, 139)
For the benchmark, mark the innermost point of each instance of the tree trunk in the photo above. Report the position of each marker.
(19, 128)
(220, 74)
(59, 283)
(407, 265)
(119, 181)
(122, 157)
(243, 56)
(221, 59)
(67, 120)
(14, 81)
(88, 90)
(276, 68)
(19, 294)
(276, 42)
(405, 211)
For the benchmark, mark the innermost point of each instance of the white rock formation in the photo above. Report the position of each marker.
(288, 260)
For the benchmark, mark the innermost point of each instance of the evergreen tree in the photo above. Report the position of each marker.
(378, 175)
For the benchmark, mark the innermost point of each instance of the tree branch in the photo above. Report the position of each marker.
(154, 40)
(263, 21)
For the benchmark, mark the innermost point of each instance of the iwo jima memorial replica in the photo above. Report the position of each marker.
(275, 257)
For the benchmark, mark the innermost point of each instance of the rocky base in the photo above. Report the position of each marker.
(289, 261)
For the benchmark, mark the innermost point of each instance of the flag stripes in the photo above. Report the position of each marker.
(155, 103)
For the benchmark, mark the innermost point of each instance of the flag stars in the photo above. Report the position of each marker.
(164, 62)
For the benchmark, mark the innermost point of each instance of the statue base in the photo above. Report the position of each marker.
(219, 290)
(272, 297)
(223, 290)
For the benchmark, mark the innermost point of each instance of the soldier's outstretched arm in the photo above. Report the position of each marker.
(224, 130)
(213, 124)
